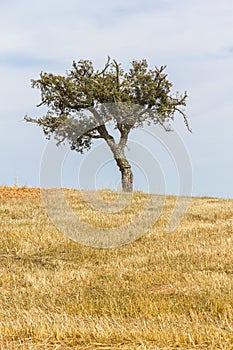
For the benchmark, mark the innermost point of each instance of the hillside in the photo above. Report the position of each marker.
(162, 291)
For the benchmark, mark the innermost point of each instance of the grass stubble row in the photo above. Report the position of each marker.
(162, 291)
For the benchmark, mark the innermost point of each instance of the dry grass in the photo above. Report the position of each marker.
(164, 291)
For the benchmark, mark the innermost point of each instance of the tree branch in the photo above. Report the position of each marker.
(184, 117)
(30, 120)
(42, 102)
(94, 136)
(117, 74)
(105, 67)
(124, 136)
(102, 128)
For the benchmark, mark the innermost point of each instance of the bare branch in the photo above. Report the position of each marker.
(185, 118)
(42, 102)
(102, 128)
(61, 141)
(119, 127)
(30, 120)
(105, 67)
(117, 74)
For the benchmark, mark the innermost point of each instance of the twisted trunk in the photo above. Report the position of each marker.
(127, 179)
(126, 171)
(119, 154)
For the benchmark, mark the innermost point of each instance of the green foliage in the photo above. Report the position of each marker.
(129, 99)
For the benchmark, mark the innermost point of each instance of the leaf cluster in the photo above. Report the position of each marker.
(84, 99)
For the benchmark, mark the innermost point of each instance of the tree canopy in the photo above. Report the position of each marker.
(84, 100)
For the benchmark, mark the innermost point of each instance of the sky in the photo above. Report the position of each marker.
(193, 38)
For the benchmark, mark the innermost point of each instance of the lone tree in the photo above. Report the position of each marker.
(83, 102)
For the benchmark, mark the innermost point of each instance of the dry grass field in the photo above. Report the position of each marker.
(163, 291)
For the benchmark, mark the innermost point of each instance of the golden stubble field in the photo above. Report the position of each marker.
(163, 291)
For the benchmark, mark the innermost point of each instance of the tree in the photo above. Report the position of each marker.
(81, 103)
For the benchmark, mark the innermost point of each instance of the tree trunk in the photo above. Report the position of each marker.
(126, 172)
(121, 160)
(127, 179)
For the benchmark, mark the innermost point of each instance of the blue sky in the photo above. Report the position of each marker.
(193, 38)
